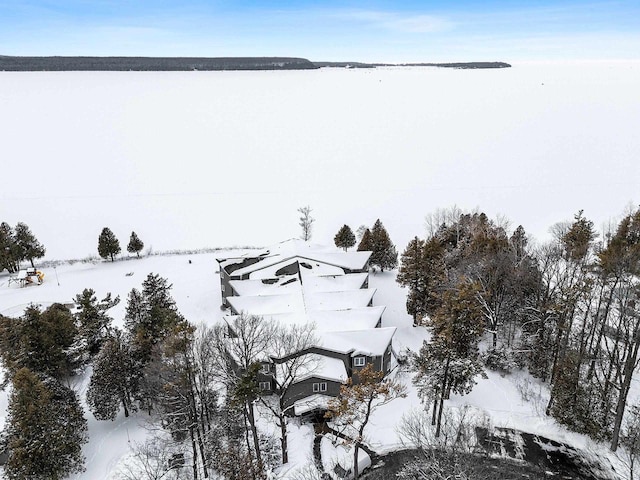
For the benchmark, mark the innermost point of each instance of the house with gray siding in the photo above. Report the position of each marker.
(296, 283)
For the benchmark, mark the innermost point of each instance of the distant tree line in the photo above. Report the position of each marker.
(20, 244)
(58, 63)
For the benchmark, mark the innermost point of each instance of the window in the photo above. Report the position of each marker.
(265, 386)
(359, 361)
(320, 387)
(265, 369)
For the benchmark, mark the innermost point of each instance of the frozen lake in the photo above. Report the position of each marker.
(196, 159)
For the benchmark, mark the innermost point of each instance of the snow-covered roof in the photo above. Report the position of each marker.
(300, 302)
(372, 342)
(339, 300)
(326, 368)
(290, 283)
(360, 318)
(311, 403)
(271, 286)
(333, 283)
(297, 250)
(267, 305)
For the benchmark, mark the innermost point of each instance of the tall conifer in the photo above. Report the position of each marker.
(411, 274)
(135, 244)
(345, 238)
(108, 244)
(45, 429)
(365, 244)
(384, 253)
(28, 245)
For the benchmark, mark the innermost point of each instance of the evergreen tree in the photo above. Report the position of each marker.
(345, 238)
(579, 238)
(434, 274)
(411, 274)
(45, 429)
(92, 320)
(365, 244)
(28, 244)
(108, 244)
(519, 243)
(384, 252)
(39, 341)
(449, 361)
(9, 250)
(135, 244)
(151, 316)
(112, 381)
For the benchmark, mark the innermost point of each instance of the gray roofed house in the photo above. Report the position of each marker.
(298, 283)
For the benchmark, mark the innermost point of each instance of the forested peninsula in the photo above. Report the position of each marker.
(160, 64)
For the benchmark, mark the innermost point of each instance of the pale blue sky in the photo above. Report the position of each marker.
(325, 30)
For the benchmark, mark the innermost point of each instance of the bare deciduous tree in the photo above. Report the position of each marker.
(156, 459)
(240, 345)
(306, 222)
(352, 409)
(438, 456)
(289, 351)
(441, 216)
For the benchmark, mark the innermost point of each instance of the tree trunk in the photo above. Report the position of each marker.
(443, 389)
(254, 433)
(598, 342)
(283, 440)
(194, 449)
(126, 410)
(629, 367)
(355, 460)
(435, 409)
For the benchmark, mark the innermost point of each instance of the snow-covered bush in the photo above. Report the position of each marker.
(500, 359)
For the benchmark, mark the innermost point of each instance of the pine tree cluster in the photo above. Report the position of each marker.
(45, 428)
(17, 245)
(109, 245)
(377, 241)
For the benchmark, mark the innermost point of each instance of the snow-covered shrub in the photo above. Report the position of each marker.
(500, 359)
(457, 434)
(533, 392)
(271, 451)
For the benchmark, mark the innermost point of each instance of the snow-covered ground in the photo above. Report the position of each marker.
(196, 290)
(193, 159)
(196, 159)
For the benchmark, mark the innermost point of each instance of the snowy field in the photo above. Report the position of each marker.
(196, 159)
(196, 290)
